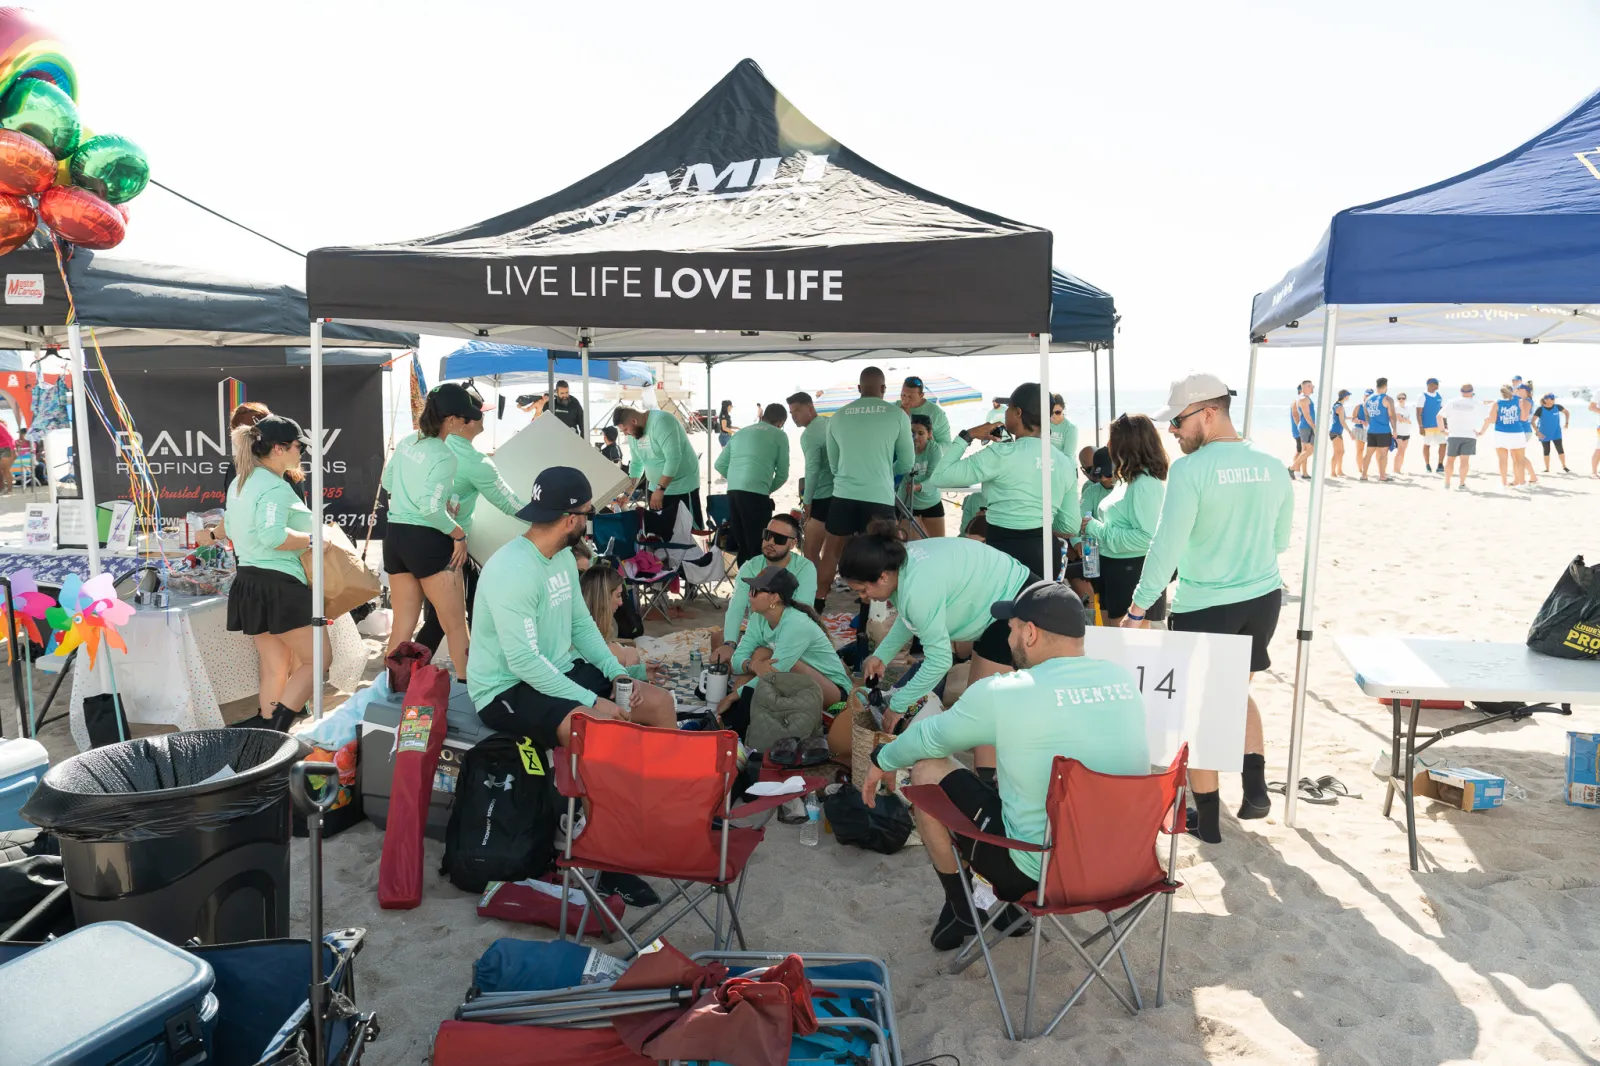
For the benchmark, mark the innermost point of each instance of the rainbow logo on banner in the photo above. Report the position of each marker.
(230, 394)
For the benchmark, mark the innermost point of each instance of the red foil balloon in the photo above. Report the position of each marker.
(17, 222)
(80, 217)
(26, 167)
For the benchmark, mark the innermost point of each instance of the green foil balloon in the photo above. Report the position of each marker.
(43, 112)
(112, 167)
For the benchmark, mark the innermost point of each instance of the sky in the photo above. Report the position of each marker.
(1184, 155)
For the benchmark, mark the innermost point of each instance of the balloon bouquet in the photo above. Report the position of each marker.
(55, 171)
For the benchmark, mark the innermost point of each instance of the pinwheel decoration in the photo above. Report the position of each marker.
(88, 610)
(29, 604)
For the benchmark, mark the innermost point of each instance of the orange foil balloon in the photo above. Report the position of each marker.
(17, 222)
(26, 167)
(80, 217)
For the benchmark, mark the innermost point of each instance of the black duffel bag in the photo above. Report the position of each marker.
(884, 827)
(1568, 625)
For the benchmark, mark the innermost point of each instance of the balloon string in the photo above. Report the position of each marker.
(225, 218)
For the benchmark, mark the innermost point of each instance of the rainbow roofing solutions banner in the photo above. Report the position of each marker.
(181, 415)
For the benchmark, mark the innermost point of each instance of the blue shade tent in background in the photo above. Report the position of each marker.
(942, 389)
(1509, 251)
(513, 364)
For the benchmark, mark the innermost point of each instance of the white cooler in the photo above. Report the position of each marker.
(22, 766)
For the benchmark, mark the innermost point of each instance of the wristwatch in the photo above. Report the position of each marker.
(965, 435)
(875, 751)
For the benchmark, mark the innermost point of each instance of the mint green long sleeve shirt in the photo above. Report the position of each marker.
(869, 443)
(756, 459)
(260, 514)
(1128, 518)
(819, 472)
(928, 460)
(1226, 518)
(943, 594)
(797, 639)
(476, 475)
(529, 624)
(942, 432)
(420, 476)
(1009, 472)
(1086, 709)
(805, 576)
(667, 452)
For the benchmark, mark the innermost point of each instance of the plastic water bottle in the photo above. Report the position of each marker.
(1091, 558)
(811, 832)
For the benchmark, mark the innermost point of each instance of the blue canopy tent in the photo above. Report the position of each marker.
(513, 363)
(1509, 251)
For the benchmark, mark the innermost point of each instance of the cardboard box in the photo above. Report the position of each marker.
(1468, 790)
(1583, 769)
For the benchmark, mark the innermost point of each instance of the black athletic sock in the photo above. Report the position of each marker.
(282, 717)
(1257, 800)
(954, 895)
(1208, 821)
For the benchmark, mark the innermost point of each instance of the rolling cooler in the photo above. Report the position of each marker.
(378, 726)
(130, 998)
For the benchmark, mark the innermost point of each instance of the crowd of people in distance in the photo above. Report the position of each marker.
(1380, 426)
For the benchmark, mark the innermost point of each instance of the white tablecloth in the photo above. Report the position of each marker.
(182, 664)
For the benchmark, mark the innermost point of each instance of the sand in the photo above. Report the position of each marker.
(1313, 944)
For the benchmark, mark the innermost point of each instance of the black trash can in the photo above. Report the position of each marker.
(185, 835)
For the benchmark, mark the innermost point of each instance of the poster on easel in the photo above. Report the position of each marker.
(72, 523)
(120, 536)
(39, 527)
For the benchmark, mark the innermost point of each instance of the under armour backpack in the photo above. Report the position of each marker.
(504, 819)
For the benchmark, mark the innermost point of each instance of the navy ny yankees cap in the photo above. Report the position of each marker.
(557, 491)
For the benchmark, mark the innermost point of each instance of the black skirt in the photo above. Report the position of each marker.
(267, 601)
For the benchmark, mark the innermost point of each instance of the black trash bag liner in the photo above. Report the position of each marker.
(883, 828)
(146, 789)
(30, 868)
(1568, 625)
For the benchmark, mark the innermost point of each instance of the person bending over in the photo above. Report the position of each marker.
(1058, 702)
(270, 600)
(425, 547)
(784, 636)
(778, 543)
(941, 590)
(817, 494)
(540, 657)
(1226, 518)
(665, 457)
(755, 464)
(926, 502)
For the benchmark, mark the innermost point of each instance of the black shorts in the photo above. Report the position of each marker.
(526, 712)
(994, 643)
(421, 551)
(820, 509)
(1118, 579)
(936, 511)
(1378, 440)
(1256, 619)
(981, 803)
(267, 601)
(1026, 546)
(851, 516)
(1560, 448)
(1402, 436)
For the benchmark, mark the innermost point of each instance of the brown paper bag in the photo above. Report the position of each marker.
(347, 581)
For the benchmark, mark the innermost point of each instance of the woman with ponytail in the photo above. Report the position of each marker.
(784, 635)
(270, 599)
(942, 590)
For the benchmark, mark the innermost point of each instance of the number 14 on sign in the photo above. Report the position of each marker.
(1165, 685)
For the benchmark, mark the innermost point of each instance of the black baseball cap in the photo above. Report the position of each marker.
(557, 491)
(774, 579)
(277, 429)
(1101, 466)
(454, 399)
(1026, 396)
(1050, 605)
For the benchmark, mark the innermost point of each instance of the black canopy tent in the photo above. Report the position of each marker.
(742, 230)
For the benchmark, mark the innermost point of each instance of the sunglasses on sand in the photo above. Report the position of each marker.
(776, 538)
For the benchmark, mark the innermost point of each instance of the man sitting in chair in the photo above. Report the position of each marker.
(1059, 702)
(543, 658)
(780, 546)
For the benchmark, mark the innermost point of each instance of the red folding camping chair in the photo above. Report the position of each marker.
(1100, 853)
(659, 803)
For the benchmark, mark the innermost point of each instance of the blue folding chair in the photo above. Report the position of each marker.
(616, 535)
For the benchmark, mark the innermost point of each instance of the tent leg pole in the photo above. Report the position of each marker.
(585, 428)
(1111, 381)
(1046, 499)
(1308, 579)
(318, 624)
(85, 464)
(1096, 355)
(1250, 392)
(711, 420)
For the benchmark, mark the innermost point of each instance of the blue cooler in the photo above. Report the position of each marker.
(109, 994)
(22, 764)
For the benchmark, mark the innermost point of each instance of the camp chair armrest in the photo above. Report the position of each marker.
(932, 801)
(566, 784)
(767, 803)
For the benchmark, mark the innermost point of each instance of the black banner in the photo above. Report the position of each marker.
(182, 419)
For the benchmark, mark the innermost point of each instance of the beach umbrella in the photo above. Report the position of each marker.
(942, 389)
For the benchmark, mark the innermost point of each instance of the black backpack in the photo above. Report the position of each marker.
(504, 819)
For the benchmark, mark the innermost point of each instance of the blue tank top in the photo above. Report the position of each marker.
(1338, 419)
(1508, 416)
(1549, 421)
(1432, 404)
(1377, 413)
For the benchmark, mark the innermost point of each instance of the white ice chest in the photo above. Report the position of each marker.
(22, 765)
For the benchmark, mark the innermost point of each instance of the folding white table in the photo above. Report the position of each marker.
(1412, 669)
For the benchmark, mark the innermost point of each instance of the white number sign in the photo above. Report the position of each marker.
(1195, 686)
